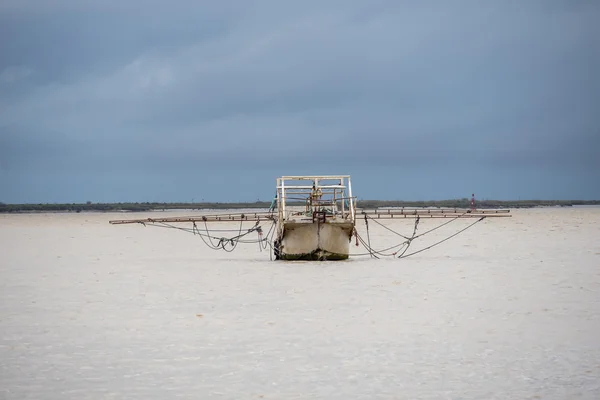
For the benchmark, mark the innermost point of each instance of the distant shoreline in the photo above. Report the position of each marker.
(366, 204)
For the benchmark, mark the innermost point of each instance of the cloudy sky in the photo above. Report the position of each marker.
(173, 101)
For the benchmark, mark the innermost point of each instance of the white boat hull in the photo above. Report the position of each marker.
(316, 240)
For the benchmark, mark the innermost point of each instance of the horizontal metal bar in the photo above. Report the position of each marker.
(292, 187)
(304, 177)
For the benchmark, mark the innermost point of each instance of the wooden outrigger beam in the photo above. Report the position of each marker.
(256, 216)
(431, 213)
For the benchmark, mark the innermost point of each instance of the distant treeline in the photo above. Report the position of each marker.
(107, 207)
(138, 207)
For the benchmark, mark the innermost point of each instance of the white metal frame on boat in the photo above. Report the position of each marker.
(334, 191)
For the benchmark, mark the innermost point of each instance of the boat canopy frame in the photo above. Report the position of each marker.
(331, 194)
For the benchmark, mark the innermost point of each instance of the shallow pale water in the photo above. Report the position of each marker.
(510, 309)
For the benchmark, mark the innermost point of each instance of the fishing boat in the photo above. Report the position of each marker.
(322, 227)
(314, 218)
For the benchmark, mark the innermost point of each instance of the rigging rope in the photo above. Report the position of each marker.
(368, 237)
(443, 240)
(222, 243)
(265, 241)
(404, 246)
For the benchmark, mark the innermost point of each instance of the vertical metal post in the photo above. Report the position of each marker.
(342, 200)
(351, 199)
(283, 199)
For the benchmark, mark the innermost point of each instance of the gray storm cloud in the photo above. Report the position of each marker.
(123, 92)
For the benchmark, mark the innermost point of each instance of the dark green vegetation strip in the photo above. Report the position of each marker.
(138, 207)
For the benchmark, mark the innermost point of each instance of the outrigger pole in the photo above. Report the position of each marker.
(229, 217)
